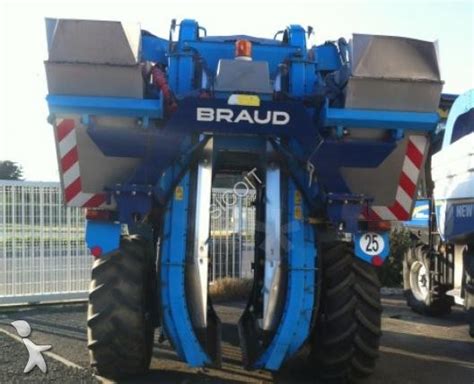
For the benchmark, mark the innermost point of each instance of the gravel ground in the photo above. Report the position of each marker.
(414, 349)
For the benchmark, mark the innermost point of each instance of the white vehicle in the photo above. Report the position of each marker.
(439, 267)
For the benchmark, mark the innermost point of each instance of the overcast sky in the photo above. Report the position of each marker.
(25, 136)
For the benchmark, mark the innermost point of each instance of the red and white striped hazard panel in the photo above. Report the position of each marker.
(406, 191)
(69, 168)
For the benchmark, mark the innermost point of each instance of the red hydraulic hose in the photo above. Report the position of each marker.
(160, 82)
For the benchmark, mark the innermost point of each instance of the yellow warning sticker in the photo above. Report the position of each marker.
(244, 100)
(443, 113)
(297, 197)
(179, 193)
(298, 213)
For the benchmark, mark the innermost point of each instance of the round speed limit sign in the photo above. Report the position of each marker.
(372, 243)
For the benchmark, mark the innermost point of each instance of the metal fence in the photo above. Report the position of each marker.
(43, 255)
(232, 233)
(42, 251)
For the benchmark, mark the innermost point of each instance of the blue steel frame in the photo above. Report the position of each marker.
(106, 106)
(296, 319)
(176, 320)
(379, 119)
(305, 80)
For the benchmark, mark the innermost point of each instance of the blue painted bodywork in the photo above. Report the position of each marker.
(307, 129)
(296, 319)
(106, 106)
(184, 120)
(165, 143)
(154, 48)
(103, 234)
(330, 155)
(456, 219)
(176, 320)
(420, 216)
(327, 57)
(379, 119)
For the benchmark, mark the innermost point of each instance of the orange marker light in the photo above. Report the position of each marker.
(377, 226)
(243, 50)
(98, 214)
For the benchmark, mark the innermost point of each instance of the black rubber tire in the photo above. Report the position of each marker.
(119, 319)
(468, 263)
(436, 302)
(345, 341)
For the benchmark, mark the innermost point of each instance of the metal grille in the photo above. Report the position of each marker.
(232, 233)
(43, 255)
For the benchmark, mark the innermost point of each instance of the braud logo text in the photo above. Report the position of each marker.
(243, 116)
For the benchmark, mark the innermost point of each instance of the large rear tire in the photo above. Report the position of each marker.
(422, 291)
(469, 286)
(119, 322)
(345, 342)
